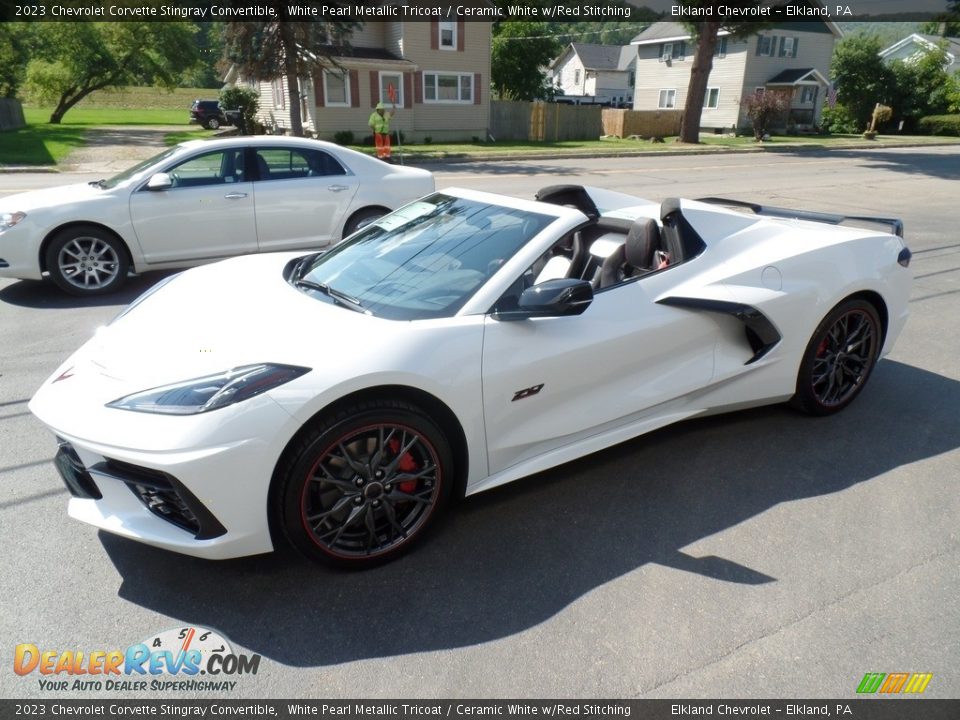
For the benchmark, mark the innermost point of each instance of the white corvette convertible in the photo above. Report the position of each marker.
(340, 400)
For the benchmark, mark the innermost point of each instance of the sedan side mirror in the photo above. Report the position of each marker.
(552, 298)
(160, 181)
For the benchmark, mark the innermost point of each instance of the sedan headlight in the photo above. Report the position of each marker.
(9, 219)
(211, 392)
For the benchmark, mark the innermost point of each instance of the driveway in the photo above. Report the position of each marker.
(113, 148)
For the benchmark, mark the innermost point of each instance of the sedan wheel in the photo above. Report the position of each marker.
(366, 484)
(839, 359)
(87, 261)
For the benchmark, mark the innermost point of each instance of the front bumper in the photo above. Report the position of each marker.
(20, 253)
(200, 489)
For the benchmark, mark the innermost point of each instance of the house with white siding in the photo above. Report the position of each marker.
(599, 73)
(437, 72)
(914, 46)
(791, 57)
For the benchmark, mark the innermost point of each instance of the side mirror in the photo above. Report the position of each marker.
(552, 298)
(160, 181)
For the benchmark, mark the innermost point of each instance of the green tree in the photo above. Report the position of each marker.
(73, 59)
(13, 57)
(519, 51)
(244, 99)
(705, 36)
(921, 86)
(285, 48)
(862, 78)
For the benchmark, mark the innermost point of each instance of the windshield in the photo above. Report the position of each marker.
(423, 261)
(137, 169)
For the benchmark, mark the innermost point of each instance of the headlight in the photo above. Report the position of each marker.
(211, 392)
(9, 219)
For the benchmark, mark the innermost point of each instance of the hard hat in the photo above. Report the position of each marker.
(381, 106)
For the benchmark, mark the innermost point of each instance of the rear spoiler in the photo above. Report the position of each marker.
(895, 224)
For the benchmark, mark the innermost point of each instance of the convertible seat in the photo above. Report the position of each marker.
(635, 256)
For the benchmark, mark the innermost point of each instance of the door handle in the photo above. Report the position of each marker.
(235, 195)
(337, 188)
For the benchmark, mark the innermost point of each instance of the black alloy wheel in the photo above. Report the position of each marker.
(365, 485)
(839, 359)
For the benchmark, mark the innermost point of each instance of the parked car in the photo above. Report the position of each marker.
(198, 202)
(208, 114)
(340, 400)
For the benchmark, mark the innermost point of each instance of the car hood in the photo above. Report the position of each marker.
(50, 197)
(218, 317)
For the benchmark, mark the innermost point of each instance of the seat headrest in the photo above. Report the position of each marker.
(642, 241)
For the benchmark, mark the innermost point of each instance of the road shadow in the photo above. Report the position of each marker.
(43, 295)
(507, 560)
(930, 164)
(499, 167)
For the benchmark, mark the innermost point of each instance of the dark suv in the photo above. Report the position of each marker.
(208, 114)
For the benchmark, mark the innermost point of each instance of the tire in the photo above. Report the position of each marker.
(213, 124)
(86, 260)
(839, 358)
(361, 219)
(365, 484)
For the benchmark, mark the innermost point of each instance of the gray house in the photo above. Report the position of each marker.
(790, 57)
(915, 45)
(600, 73)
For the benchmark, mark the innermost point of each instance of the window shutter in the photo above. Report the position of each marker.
(407, 91)
(418, 88)
(434, 34)
(759, 43)
(796, 41)
(461, 30)
(783, 47)
(374, 88)
(476, 88)
(318, 89)
(354, 88)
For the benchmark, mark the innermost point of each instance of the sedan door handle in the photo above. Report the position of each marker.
(337, 188)
(235, 195)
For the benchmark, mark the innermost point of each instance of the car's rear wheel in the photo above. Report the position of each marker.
(213, 124)
(86, 260)
(361, 219)
(365, 484)
(839, 358)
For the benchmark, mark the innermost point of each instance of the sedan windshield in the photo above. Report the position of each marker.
(137, 169)
(423, 261)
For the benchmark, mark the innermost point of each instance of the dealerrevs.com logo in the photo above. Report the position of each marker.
(187, 659)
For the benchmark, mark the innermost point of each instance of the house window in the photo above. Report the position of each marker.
(276, 88)
(759, 91)
(721, 49)
(788, 47)
(576, 76)
(447, 87)
(390, 80)
(673, 51)
(809, 94)
(631, 78)
(336, 89)
(448, 35)
(668, 99)
(712, 98)
(765, 45)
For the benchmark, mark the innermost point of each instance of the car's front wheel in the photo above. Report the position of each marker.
(86, 260)
(365, 483)
(839, 358)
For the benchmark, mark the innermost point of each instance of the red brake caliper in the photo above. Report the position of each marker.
(407, 464)
(823, 348)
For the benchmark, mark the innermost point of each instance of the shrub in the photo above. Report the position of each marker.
(397, 136)
(244, 99)
(428, 139)
(940, 124)
(343, 137)
(764, 109)
(838, 119)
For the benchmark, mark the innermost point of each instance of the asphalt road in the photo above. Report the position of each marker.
(758, 554)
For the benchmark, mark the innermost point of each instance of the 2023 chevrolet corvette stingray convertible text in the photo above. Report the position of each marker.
(342, 399)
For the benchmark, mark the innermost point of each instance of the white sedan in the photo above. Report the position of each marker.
(197, 202)
(342, 399)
